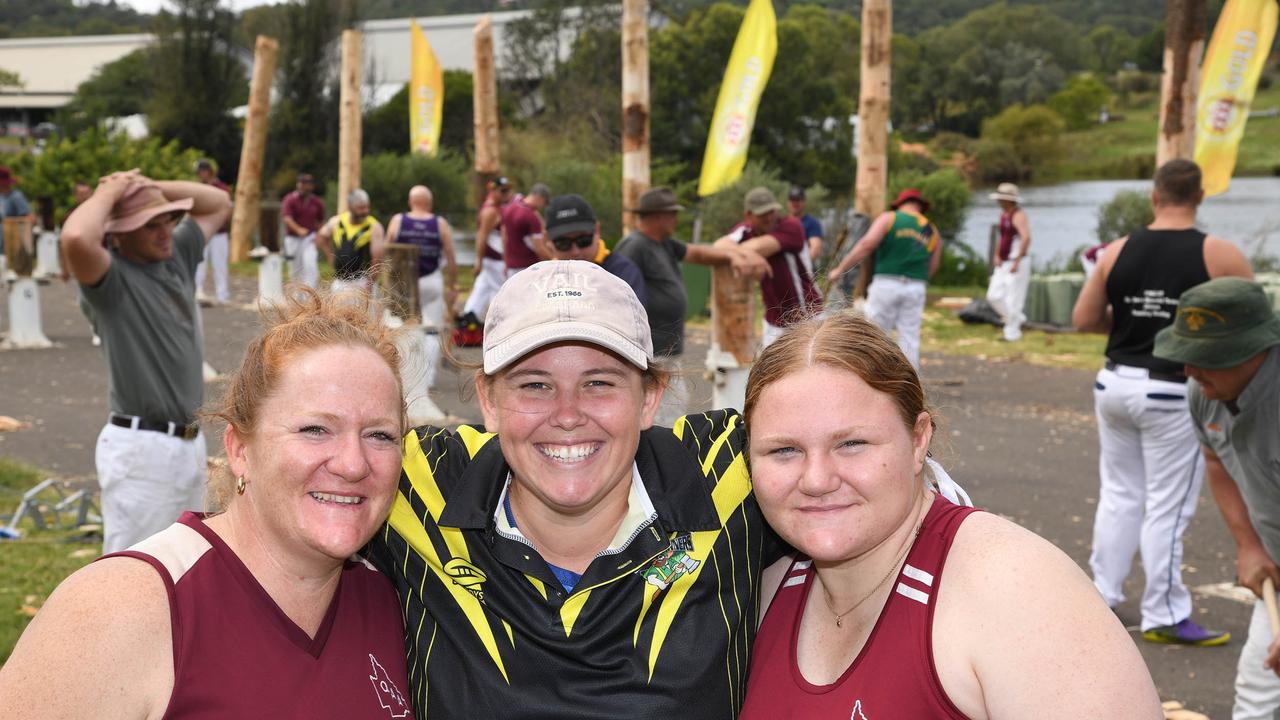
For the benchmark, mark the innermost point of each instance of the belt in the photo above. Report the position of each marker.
(178, 430)
(1153, 374)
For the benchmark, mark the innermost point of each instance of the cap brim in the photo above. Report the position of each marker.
(523, 342)
(1216, 353)
(572, 228)
(136, 220)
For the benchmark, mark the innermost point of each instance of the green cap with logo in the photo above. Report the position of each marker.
(1220, 324)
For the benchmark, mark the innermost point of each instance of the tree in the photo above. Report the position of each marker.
(1111, 48)
(1035, 133)
(117, 89)
(197, 80)
(386, 127)
(10, 79)
(1079, 102)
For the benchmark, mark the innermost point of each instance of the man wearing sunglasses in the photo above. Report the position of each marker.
(574, 233)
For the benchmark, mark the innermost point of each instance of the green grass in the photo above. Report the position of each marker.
(1114, 150)
(34, 565)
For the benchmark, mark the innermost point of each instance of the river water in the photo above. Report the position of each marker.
(1064, 217)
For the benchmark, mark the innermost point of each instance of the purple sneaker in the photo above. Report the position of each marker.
(1186, 632)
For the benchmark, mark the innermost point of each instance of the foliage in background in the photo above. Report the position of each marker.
(116, 89)
(947, 192)
(1128, 211)
(39, 18)
(723, 210)
(91, 155)
(196, 80)
(580, 163)
(1079, 102)
(387, 177)
(1034, 133)
(386, 127)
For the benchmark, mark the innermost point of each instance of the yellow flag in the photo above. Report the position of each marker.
(426, 94)
(744, 81)
(1240, 46)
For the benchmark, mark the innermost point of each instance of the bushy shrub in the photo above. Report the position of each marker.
(961, 265)
(1128, 211)
(92, 154)
(1035, 132)
(997, 161)
(387, 178)
(947, 143)
(1079, 102)
(568, 162)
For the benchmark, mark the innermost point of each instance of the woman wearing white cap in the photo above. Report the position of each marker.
(575, 561)
(1007, 292)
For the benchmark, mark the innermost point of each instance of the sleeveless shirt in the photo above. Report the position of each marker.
(353, 253)
(907, 246)
(893, 675)
(425, 233)
(1008, 233)
(1151, 272)
(493, 243)
(236, 653)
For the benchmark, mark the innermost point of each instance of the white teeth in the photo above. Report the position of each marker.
(569, 453)
(339, 499)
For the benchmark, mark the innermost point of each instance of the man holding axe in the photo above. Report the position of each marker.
(1228, 338)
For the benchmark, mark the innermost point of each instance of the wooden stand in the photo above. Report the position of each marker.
(349, 129)
(1185, 25)
(873, 120)
(635, 106)
(249, 179)
(733, 336)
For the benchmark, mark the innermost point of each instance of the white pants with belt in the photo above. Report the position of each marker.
(896, 303)
(1150, 469)
(301, 255)
(148, 479)
(492, 274)
(431, 305)
(215, 254)
(1007, 294)
(1257, 688)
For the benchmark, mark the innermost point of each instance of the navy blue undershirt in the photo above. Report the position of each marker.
(568, 578)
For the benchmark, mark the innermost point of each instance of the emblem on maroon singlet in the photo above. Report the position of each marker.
(389, 696)
(857, 711)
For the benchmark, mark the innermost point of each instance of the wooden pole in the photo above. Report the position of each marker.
(19, 249)
(635, 106)
(1184, 30)
(349, 117)
(873, 120)
(733, 336)
(244, 216)
(485, 102)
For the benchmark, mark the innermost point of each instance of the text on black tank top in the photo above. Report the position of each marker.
(425, 233)
(1152, 271)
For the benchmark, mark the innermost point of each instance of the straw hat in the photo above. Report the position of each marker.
(1006, 191)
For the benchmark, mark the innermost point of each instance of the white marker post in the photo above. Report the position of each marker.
(25, 331)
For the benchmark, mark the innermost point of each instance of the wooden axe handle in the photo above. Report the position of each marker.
(1269, 595)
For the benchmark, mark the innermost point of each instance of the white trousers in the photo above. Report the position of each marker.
(1007, 293)
(148, 479)
(302, 257)
(492, 274)
(896, 304)
(215, 254)
(1257, 688)
(431, 305)
(1150, 471)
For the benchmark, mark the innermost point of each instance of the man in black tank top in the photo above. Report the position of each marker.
(1149, 458)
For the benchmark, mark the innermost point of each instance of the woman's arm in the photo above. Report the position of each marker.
(100, 647)
(1020, 632)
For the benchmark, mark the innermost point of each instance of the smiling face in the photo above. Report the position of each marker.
(569, 417)
(323, 463)
(834, 467)
(153, 242)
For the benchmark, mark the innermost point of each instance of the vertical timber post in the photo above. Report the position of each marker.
(244, 217)
(635, 106)
(873, 120)
(485, 107)
(1184, 30)
(733, 336)
(349, 106)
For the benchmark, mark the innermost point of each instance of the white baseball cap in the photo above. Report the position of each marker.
(558, 300)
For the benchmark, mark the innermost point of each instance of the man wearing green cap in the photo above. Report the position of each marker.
(1227, 337)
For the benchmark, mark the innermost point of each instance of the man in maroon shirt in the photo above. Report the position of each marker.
(789, 293)
(215, 251)
(524, 237)
(303, 214)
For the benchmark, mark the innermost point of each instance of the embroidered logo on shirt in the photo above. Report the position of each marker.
(467, 576)
(670, 565)
(389, 696)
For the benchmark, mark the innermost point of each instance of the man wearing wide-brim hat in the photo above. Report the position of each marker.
(907, 253)
(1227, 336)
(1011, 274)
(653, 248)
(140, 294)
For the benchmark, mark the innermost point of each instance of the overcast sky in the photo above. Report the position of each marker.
(151, 6)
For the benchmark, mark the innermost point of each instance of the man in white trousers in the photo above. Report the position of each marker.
(490, 267)
(1007, 292)
(219, 245)
(437, 284)
(303, 214)
(1228, 338)
(1149, 461)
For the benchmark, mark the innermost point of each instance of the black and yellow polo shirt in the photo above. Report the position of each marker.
(662, 628)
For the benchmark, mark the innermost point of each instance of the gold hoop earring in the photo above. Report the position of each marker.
(240, 485)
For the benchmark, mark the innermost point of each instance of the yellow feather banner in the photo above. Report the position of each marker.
(1239, 48)
(744, 80)
(426, 94)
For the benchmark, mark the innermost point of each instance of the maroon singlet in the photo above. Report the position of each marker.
(237, 655)
(1008, 233)
(893, 676)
